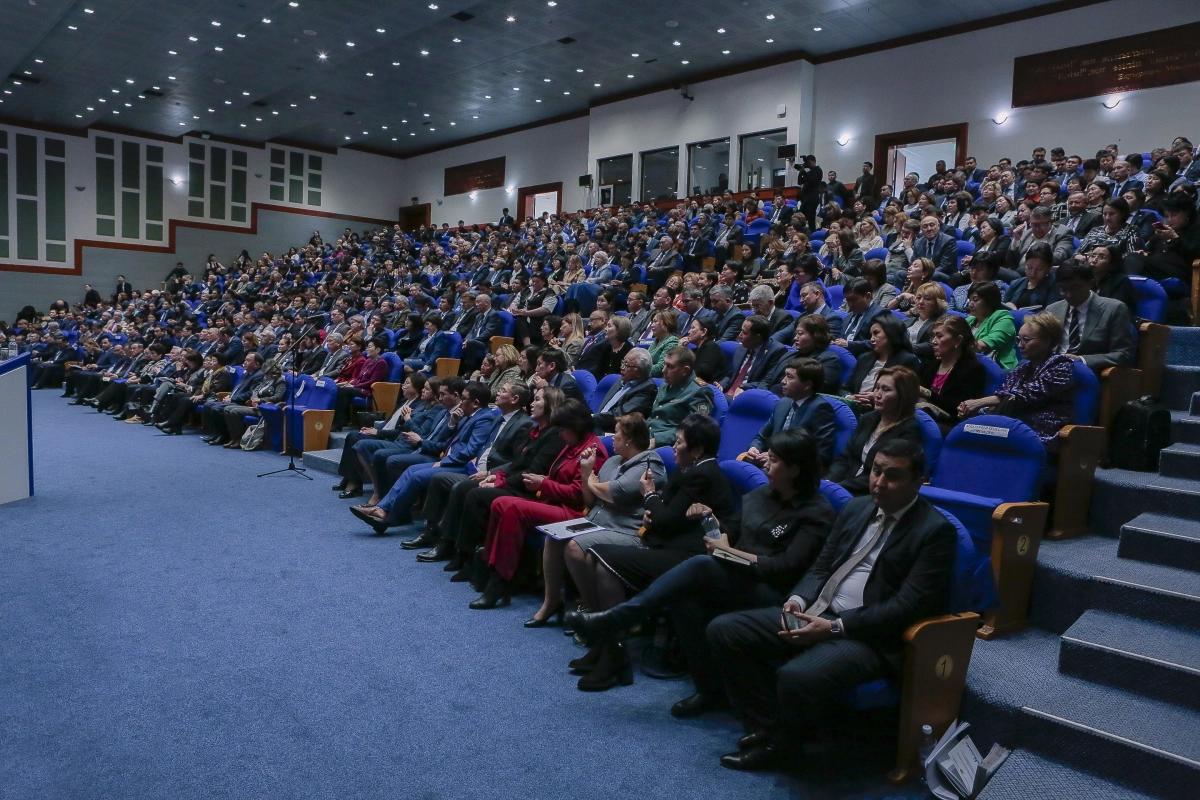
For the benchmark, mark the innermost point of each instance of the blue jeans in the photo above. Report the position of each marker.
(404, 493)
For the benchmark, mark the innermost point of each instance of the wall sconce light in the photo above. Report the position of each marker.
(258, 174)
(843, 140)
(80, 188)
(508, 189)
(1000, 118)
(1111, 102)
(473, 195)
(175, 181)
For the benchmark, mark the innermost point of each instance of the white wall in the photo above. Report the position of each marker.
(909, 87)
(722, 108)
(547, 154)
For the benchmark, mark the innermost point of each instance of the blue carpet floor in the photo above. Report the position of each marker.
(173, 627)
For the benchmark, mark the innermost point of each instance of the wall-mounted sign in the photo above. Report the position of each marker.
(476, 175)
(1158, 58)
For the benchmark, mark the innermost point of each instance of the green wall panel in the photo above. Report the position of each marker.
(56, 201)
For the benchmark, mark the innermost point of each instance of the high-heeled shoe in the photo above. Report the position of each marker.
(612, 669)
(586, 662)
(534, 622)
(604, 623)
(498, 592)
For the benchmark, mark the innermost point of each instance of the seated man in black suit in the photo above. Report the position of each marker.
(551, 370)
(477, 339)
(634, 392)
(754, 359)
(856, 328)
(1097, 330)
(727, 316)
(695, 249)
(800, 407)
(812, 301)
(888, 563)
(762, 301)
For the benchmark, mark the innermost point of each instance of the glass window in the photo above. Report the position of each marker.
(761, 166)
(708, 167)
(660, 174)
(616, 180)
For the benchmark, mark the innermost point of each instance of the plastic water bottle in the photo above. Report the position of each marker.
(712, 529)
(925, 747)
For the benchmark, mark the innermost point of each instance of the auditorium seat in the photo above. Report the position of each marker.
(995, 374)
(748, 412)
(743, 477)
(598, 394)
(876, 252)
(308, 423)
(844, 423)
(931, 440)
(448, 367)
(586, 381)
(720, 404)
(1081, 446)
(847, 361)
(386, 394)
(1151, 298)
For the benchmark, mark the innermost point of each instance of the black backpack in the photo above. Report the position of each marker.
(1141, 428)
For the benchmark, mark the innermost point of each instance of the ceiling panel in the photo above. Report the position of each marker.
(492, 79)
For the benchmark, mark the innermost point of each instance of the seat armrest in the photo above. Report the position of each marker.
(316, 429)
(385, 395)
(1118, 385)
(1016, 538)
(937, 652)
(1082, 448)
(500, 341)
(1153, 339)
(223, 396)
(447, 367)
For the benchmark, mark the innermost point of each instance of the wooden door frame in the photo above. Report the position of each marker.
(883, 141)
(428, 213)
(524, 191)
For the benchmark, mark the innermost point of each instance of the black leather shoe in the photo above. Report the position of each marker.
(340, 485)
(761, 757)
(441, 551)
(752, 740)
(534, 622)
(422, 542)
(349, 493)
(379, 525)
(456, 563)
(602, 623)
(220, 441)
(462, 576)
(586, 662)
(695, 705)
(612, 669)
(498, 592)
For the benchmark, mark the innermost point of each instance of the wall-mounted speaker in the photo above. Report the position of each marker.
(585, 180)
(786, 151)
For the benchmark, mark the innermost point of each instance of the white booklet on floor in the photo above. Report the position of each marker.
(569, 529)
(956, 762)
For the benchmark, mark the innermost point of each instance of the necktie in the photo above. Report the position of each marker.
(1073, 332)
(787, 423)
(482, 461)
(741, 376)
(829, 591)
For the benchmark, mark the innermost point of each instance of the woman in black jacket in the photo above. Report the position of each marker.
(955, 375)
(994, 248)
(780, 532)
(890, 347)
(895, 399)
(711, 364)
(672, 537)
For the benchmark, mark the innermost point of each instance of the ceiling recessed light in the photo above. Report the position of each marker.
(293, 4)
(241, 36)
(433, 6)
(365, 133)
(456, 40)
(347, 137)
(72, 28)
(424, 52)
(395, 63)
(566, 92)
(404, 121)
(720, 30)
(817, 29)
(155, 88)
(195, 117)
(79, 116)
(245, 94)
(677, 43)
(370, 74)
(545, 80)
(393, 138)
(141, 97)
(171, 77)
(634, 55)
(266, 20)
(218, 49)
(628, 76)
(243, 124)
(426, 115)
(216, 23)
(228, 102)
(193, 39)
(276, 113)
(37, 61)
(769, 41)
(384, 127)
(537, 101)
(770, 16)
(172, 52)
(118, 112)
(129, 105)
(211, 110)
(595, 84)
(90, 108)
(322, 56)
(380, 30)
(127, 80)
(683, 62)
(18, 83)
(433, 129)
(551, 3)
(579, 70)
(349, 44)
(411, 133)
(88, 11)
(312, 97)
(455, 123)
(293, 105)
(516, 88)
(487, 97)
(474, 116)
(258, 119)
(116, 91)
(510, 18)
(725, 52)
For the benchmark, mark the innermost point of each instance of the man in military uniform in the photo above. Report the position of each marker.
(681, 394)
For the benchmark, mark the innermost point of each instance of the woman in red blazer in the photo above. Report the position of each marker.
(560, 497)
(372, 369)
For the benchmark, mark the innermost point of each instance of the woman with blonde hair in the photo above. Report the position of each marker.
(505, 370)
(571, 336)
(920, 272)
(866, 233)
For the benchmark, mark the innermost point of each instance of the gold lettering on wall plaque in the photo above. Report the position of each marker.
(1157, 58)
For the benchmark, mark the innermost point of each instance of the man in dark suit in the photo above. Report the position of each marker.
(1097, 330)
(800, 407)
(887, 564)
(213, 411)
(762, 302)
(1079, 220)
(505, 219)
(812, 301)
(728, 240)
(464, 319)
(477, 340)
(230, 346)
(1121, 182)
(810, 191)
(856, 328)
(864, 185)
(509, 435)
(693, 307)
(551, 370)
(727, 316)
(781, 212)
(695, 249)
(754, 359)
(634, 392)
(124, 287)
(938, 247)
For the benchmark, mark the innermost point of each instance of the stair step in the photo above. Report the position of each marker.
(1016, 695)
(336, 440)
(1179, 384)
(323, 460)
(1160, 539)
(1028, 776)
(1194, 406)
(1078, 574)
(1180, 460)
(1160, 661)
(1120, 495)
(1183, 346)
(1185, 427)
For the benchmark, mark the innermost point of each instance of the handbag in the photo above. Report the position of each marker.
(255, 437)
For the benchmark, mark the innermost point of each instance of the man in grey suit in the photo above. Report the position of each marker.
(1040, 228)
(510, 433)
(728, 316)
(1097, 330)
(634, 392)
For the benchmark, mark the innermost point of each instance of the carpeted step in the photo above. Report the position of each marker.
(1028, 776)
(1183, 346)
(1159, 539)
(1016, 695)
(1194, 407)
(1079, 574)
(1179, 384)
(1120, 495)
(323, 460)
(1185, 427)
(336, 440)
(1180, 461)
(1160, 661)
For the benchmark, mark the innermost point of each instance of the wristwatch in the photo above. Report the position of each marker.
(835, 627)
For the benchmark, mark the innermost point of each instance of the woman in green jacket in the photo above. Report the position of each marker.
(992, 324)
(662, 326)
